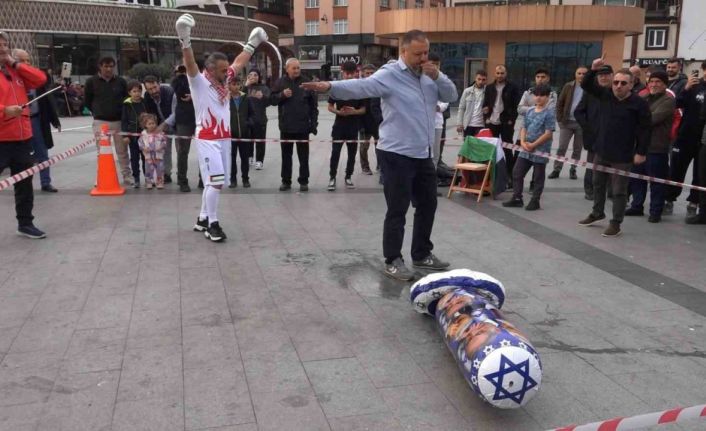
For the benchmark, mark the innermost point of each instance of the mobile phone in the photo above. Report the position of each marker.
(695, 73)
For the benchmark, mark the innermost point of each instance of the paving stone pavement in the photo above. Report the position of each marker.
(125, 319)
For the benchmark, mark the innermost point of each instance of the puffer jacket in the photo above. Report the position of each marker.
(13, 91)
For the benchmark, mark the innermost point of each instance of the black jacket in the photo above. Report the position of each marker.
(130, 121)
(511, 98)
(259, 105)
(677, 85)
(105, 98)
(164, 110)
(298, 113)
(241, 117)
(624, 126)
(691, 101)
(47, 113)
(586, 114)
(373, 115)
(184, 111)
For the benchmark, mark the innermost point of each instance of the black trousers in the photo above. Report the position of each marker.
(302, 154)
(686, 149)
(702, 181)
(351, 146)
(259, 131)
(522, 166)
(17, 155)
(407, 179)
(244, 149)
(182, 148)
(505, 132)
(588, 176)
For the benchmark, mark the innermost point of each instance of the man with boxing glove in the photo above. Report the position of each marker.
(16, 131)
(211, 99)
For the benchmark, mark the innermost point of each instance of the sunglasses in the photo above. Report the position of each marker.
(620, 83)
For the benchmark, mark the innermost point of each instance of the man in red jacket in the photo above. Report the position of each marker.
(16, 131)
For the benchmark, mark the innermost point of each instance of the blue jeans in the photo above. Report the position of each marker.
(657, 165)
(41, 152)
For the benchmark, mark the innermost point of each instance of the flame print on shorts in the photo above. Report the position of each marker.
(211, 129)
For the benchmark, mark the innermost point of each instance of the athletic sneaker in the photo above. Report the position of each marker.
(668, 208)
(201, 225)
(398, 270)
(251, 161)
(588, 221)
(215, 233)
(367, 171)
(258, 166)
(349, 183)
(331, 185)
(431, 262)
(30, 231)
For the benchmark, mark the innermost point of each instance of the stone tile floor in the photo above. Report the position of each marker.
(125, 319)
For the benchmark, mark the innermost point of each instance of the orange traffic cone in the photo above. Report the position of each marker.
(107, 183)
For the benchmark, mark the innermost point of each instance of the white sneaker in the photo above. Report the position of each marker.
(258, 166)
(331, 185)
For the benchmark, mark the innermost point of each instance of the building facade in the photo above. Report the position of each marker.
(691, 43)
(524, 35)
(82, 31)
(658, 40)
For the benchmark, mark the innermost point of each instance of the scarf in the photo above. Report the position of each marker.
(219, 86)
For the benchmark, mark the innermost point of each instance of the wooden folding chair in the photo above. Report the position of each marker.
(473, 169)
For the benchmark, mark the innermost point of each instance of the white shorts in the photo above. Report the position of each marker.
(214, 161)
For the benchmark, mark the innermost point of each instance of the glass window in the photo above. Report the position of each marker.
(656, 37)
(401, 4)
(340, 26)
(453, 58)
(312, 3)
(419, 4)
(129, 53)
(615, 2)
(560, 58)
(340, 2)
(385, 3)
(312, 28)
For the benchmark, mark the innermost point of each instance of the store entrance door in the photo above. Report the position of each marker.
(472, 66)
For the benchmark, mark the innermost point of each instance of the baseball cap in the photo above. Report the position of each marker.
(604, 69)
(4, 35)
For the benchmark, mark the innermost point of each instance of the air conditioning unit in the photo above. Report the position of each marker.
(673, 11)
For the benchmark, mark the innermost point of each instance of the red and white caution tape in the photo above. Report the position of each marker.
(606, 169)
(549, 156)
(677, 415)
(7, 182)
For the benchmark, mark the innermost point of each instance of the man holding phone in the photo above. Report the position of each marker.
(16, 131)
(686, 146)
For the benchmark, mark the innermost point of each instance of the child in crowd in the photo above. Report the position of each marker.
(535, 136)
(133, 107)
(241, 118)
(152, 143)
(345, 129)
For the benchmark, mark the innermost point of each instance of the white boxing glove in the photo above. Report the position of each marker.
(183, 28)
(257, 36)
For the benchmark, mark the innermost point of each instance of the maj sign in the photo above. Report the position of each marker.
(339, 59)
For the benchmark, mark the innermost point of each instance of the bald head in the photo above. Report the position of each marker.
(293, 68)
(22, 56)
(636, 71)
